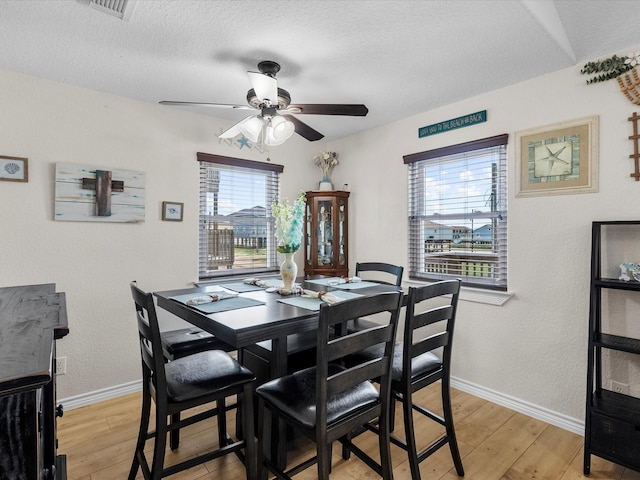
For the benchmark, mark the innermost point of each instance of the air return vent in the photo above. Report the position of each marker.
(118, 8)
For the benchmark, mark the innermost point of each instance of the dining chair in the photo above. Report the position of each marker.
(184, 383)
(328, 401)
(378, 272)
(429, 325)
(421, 359)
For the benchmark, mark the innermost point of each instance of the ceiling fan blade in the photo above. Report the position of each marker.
(304, 130)
(352, 110)
(201, 104)
(266, 87)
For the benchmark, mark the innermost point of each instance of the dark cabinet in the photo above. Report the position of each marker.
(326, 234)
(32, 319)
(612, 423)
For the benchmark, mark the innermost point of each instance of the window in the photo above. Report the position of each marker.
(458, 213)
(236, 226)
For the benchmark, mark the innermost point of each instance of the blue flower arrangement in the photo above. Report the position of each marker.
(289, 223)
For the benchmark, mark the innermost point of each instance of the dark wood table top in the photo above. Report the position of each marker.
(246, 326)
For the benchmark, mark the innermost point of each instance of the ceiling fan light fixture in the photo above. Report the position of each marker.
(278, 130)
(251, 127)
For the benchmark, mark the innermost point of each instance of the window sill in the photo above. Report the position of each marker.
(478, 295)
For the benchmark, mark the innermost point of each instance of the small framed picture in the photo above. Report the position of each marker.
(14, 169)
(172, 211)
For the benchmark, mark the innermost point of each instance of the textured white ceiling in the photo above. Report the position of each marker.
(397, 57)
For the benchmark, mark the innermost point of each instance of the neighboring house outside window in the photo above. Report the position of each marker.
(235, 223)
(458, 213)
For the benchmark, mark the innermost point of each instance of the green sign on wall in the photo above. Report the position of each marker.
(464, 121)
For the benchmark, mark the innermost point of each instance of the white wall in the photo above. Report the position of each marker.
(93, 263)
(533, 348)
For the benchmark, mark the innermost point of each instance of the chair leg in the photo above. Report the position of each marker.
(251, 454)
(385, 441)
(142, 433)
(239, 429)
(392, 413)
(324, 461)
(222, 422)
(264, 435)
(412, 451)
(160, 443)
(174, 436)
(346, 453)
(451, 432)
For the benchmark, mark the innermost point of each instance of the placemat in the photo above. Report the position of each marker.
(343, 286)
(219, 306)
(314, 303)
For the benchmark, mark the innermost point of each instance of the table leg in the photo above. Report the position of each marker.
(279, 430)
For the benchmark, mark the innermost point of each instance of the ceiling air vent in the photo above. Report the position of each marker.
(118, 8)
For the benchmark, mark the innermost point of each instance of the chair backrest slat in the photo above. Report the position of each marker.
(355, 375)
(430, 343)
(386, 268)
(434, 315)
(341, 346)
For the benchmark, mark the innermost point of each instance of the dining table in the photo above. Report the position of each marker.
(251, 310)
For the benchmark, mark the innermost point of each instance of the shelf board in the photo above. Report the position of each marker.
(616, 342)
(617, 284)
(618, 222)
(617, 405)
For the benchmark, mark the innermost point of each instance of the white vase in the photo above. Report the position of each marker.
(289, 272)
(325, 185)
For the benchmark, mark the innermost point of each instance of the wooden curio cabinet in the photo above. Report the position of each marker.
(325, 234)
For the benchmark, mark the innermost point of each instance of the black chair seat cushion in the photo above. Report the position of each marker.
(295, 396)
(421, 365)
(204, 373)
(177, 343)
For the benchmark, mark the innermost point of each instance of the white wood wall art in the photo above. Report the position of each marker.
(91, 194)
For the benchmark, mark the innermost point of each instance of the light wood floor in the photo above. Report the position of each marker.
(496, 444)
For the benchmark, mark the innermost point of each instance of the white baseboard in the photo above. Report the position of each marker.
(563, 421)
(535, 411)
(100, 395)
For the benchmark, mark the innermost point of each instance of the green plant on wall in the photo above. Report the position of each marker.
(609, 68)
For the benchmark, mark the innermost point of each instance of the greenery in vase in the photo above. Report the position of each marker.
(609, 68)
(289, 223)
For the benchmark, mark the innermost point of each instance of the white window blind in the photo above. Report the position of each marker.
(458, 213)
(236, 226)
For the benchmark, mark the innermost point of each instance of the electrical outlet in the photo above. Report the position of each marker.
(620, 387)
(61, 366)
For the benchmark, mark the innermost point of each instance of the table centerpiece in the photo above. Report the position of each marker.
(289, 220)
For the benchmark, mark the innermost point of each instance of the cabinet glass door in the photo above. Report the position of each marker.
(341, 232)
(325, 232)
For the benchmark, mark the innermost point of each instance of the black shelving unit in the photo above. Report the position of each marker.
(612, 420)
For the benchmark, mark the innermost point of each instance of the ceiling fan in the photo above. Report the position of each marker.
(275, 121)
